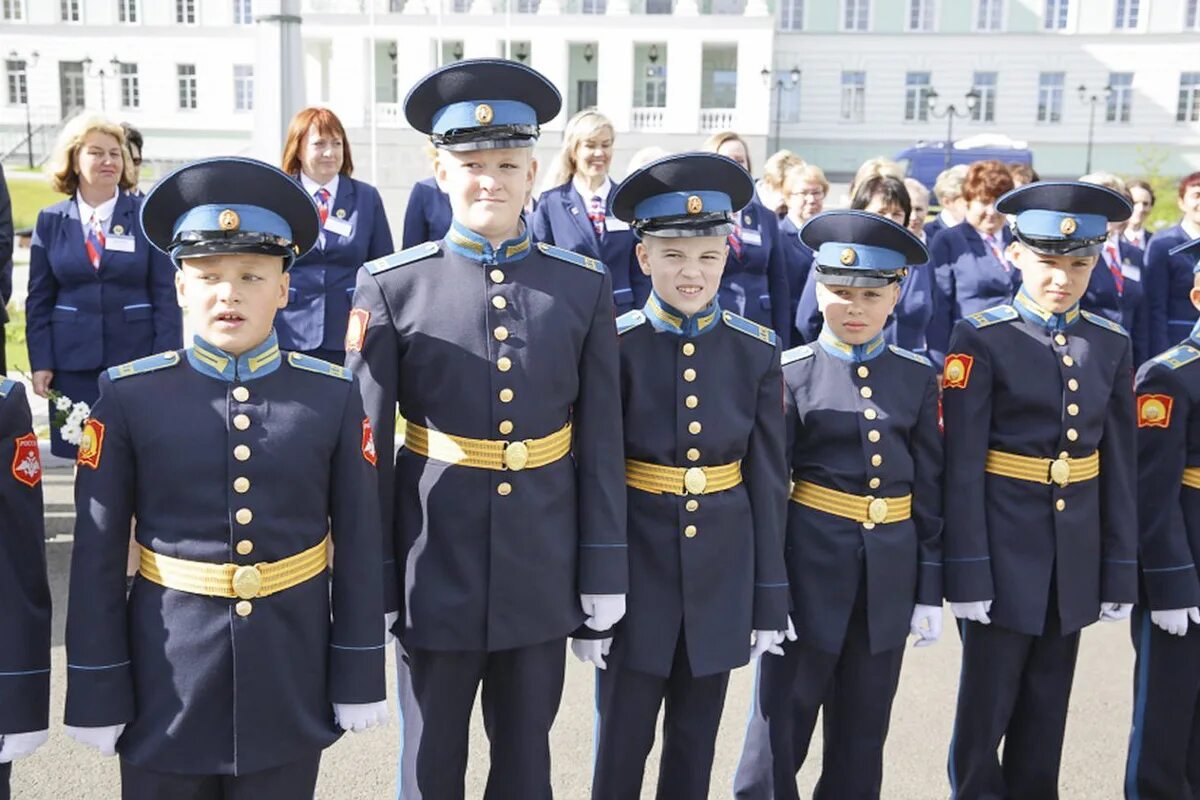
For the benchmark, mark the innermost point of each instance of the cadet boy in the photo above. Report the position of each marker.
(224, 676)
(1041, 522)
(864, 526)
(24, 592)
(700, 389)
(506, 506)
(1164, 748)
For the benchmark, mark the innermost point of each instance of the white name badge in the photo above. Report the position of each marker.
(339, 226)
(120, 244)
(1131, 271)
(611, 224)
(751, 236)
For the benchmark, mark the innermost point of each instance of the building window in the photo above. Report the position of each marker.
(1120, 99)
(243, 87)
(854, 96)
(527, 6)
(186, 75)
(14, 10)
(788, 96)
(131, 93)
(916, 93)
(856, 15)
(921, 15)
(1189, 98)
(985, 84)
(1126, 15)
(185, 12)
(593, 6)
(791, 15)
(989, 15)
(69, 10)
(1050, 96)
(243, 12)
(127, 11)
(1192, 16)
(18, 83)
(1056, 15)
(718, 76)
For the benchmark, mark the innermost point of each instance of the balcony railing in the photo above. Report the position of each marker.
(646, 119)
(717, 119)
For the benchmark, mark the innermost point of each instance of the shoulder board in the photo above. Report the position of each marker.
(797, 354)
(318, 365)
(1103, 322)
(748, 327)
(1177, 356)
(910, 355)
(415, 253)
(143, 365)
(629, 320)
(990, 316)
(6, 386)
(571, 257)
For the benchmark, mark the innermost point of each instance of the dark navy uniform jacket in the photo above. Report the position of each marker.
(483, 559)
(966, 279)
(322, 284)
(1034, 384)
(561, 219)
(756, 284)
(78, 318)
(24, 593)
(1168, 281)
(834, 435)
(205, 690)
(1126, 308)
(428, 215)
(798, 257)
(726, 579)
(933, 228)
(1168, 397)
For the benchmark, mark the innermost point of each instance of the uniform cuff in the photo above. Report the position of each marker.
(356, 674)
(99, 696)
(929, 583)
(771, 602)
(1118, 581)
(24, 701)
(603, 569)
(1171, 587)
(968, 579)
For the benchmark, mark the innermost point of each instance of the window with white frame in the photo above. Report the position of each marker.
(989, 15)
(1120, 99)
(984, 83)
(856, 15)
(1055, 18)
(916, 97)
(243, 12)
(791, 15)
(185, 12)
(1126, 15)
(529, 6)
(593, 6)
(1191, 17)
(14, 10)
(922, 15)
(718, 76)
(1050, 96)
(17, 81)
(70, 11)
(127, 11)
(243, 87)
(131, 92)
(854, 96)
(788, 96)
(1189, 98)
(185, 74)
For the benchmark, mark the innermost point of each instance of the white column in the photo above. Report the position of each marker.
(687, 8)
(548, 7)
(753, 95)
(551, 57)
(278, 74)
(684, 57)
(614, 90)
(617, 8)
(351, 93)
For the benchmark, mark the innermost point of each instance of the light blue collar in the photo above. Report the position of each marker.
(1031, 311)
(216, 363)
(466, 242)
(856, 353)
(666, 319)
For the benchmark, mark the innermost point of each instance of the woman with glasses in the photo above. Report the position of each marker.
(804, 191)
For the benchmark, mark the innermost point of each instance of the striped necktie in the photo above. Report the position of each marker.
(95, 241)
(1114, 266)
(735, 241)
(323, 204)
(596, 214)
(994, 243)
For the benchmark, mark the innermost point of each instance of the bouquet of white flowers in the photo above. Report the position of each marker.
(69, 417)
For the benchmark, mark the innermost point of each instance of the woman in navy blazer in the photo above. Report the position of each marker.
(804, 190)
(427, 216)
(1168, 279)
(755, 282)
(354, 231)
(99, 294)
(570, 216)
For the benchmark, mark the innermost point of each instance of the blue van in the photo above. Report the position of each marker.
(926, 161)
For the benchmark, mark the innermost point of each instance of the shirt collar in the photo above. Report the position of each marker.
(1031, 311)
(312, 186)
(946, 219)
(666, 319)
(216, 363)
(466, 242)
(856, 353)
(103, 212)
(587, 194)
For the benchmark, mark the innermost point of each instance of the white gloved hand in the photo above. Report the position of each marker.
(360, 716)
(790, 634)
(389, 619)
(766, 642)
(1174, 621)
(1115, 612)
(926, 624)
(976, 611)
(19, 745)
(603, 610)
(593, 650)
(103, 738)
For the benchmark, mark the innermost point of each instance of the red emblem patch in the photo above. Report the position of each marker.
(1154, 410)
(368, 443)
(90, 444)
(356, 329)
(957, 371)
(27, 462)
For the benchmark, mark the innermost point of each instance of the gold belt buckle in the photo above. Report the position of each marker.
(695, 481)
(247, 582)
(516, 456)
(877, 510)
(1060, 471)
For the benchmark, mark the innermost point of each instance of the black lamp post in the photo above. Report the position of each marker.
(26, 64)
(949, 113)
(779, 87)
(1092, 100)
(102, 74)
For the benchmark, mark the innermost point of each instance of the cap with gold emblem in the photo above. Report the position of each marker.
(1063, 217)
(229, 205)
(856, 248)
(689, 194)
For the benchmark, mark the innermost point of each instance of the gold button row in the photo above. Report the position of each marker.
(691, 401)
(241, 394)
(1059, 339)
(690, 531)
(689, 349)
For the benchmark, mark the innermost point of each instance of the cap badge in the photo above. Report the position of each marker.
(1068, 226)
(229, 220)
(694, 204)
(484, 114)
(849, 257)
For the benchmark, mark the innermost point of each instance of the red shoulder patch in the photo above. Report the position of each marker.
(1154, 410)
(27, 461)
(957, 371)
(368, 443)
(356, 329)
(91, 443)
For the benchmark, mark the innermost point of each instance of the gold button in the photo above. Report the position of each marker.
(1068, 361)
(499, 302)
(243, 516)
(691, 401)
(868, 526)
(1059, 339)
(501, 333)
(497, 276)
(1073, 385)
(241, 394)
(1060, 504)
(1073, 409)
(504, 363)
(241, 452)
(865, 392)
(873, 436)
(1072, 434)
(694, 427)
(690, 531)
(245, 547)
(241, 485)
(506, 426)
(504, 489)
(688, 348)
(689, 374)
(863, 372)
(506, 395)
(1064, 454)
(874, 483)
(692, 505)
(876, 460)
(693, 454)
(243, 608)
(241, 422)
(870, 413)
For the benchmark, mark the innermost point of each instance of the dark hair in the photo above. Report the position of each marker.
(1141, 184)
(891, 190)
(133, 137)
(1023, 173)
(1188, 182)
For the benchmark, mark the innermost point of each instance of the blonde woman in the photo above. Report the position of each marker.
(769, 188)
(574, 213)
(804, 190)
(99, 294)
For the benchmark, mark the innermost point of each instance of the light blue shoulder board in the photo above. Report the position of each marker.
(408, 256)
(6, 385)
(143, 365)
(797, 354)
(571, 257)
(749, 327)
(910, 355)
(629, 320)
(1103, 322)
(990, 316)
(1178, 356)
(319, 366)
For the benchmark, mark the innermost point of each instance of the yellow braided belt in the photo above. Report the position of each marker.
(868, 509)
(233, 580)
(657, 479)
(1060, 471)
(488, 453)
(1191, 477)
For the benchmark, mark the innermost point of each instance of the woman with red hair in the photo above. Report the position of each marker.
(354, 230)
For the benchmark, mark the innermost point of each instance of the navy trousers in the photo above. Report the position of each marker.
(294, 781)
(5, 773)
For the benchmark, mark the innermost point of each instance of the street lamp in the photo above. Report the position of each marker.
(779, 86)
(26, 65)
(1091, 100)
(102, 74)
(949, 113)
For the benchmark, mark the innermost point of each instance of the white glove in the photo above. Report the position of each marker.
(1115, 612)
(766, 642)
(19, 745)
(976, 611)
(926, 624)
(389, 619)
(103, 738)
(790, 634)
(593, 650)
(1174, 621)
(603, 610)
(360, 716)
